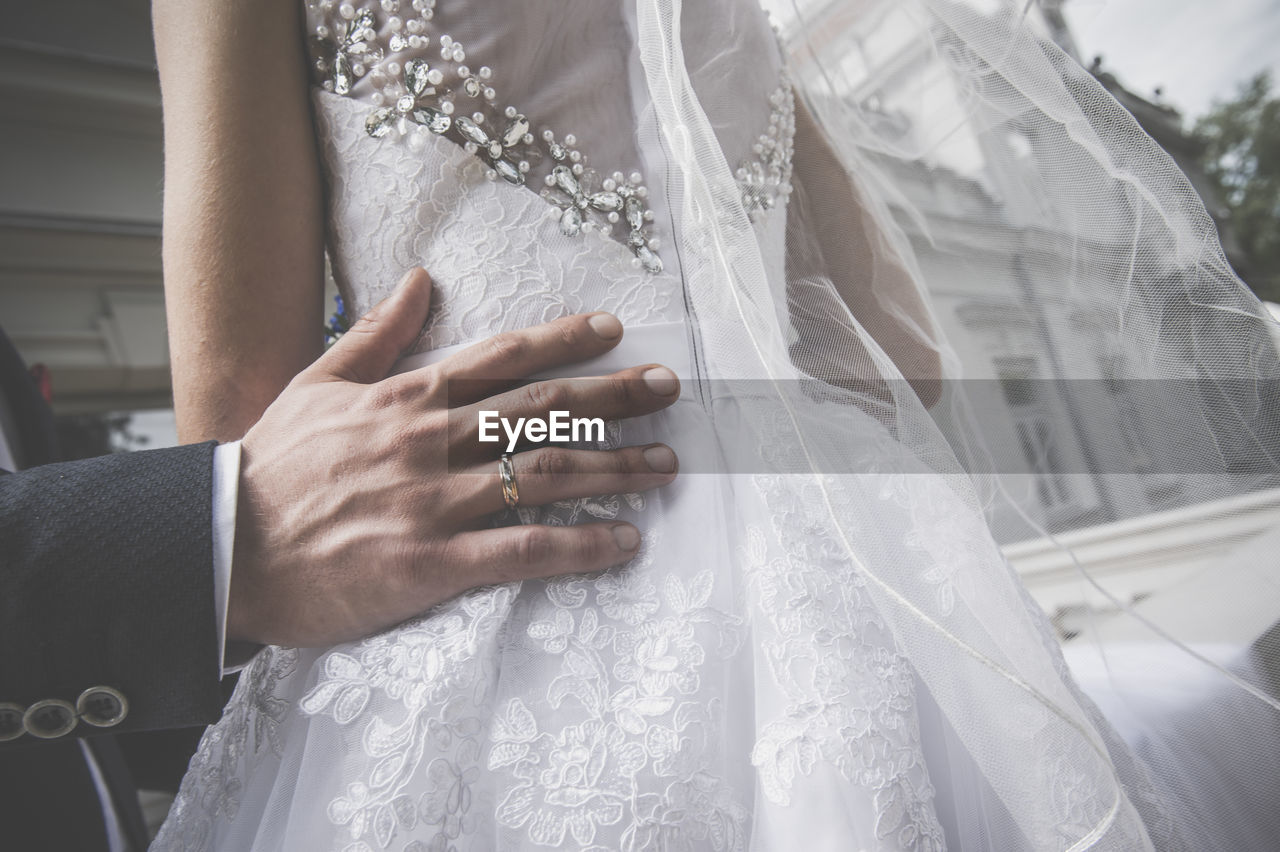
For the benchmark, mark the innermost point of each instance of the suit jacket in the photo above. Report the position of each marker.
(106, 619)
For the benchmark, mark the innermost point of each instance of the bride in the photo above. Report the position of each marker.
(819, 643)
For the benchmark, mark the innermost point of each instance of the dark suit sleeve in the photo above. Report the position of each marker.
(106, 579)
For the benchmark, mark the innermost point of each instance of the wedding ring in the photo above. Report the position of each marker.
(510, 493)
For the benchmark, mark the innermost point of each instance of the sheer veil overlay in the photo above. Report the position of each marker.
(886, 231)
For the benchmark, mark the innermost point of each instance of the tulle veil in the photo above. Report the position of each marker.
(1043, 319)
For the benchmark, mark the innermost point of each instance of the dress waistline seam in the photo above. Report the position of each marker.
(665, 343)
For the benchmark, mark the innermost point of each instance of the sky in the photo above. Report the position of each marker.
(1197, 50)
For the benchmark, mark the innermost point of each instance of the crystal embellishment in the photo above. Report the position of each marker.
(417, 77)
(766, 178)
(350, 56)
(379, 122)
(416, 93)
(432, 119)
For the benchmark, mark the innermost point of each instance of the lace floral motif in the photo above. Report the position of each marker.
(430, 671)
(941, 528)
(496, 260)
(850, 694)
(250, 724)
(632, 753)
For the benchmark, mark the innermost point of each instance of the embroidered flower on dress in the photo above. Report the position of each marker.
(583, 783)
(627, 595)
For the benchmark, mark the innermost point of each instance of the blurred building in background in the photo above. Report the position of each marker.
(1075, 453)
(81, 164)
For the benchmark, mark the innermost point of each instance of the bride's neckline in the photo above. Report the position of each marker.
(417, 80)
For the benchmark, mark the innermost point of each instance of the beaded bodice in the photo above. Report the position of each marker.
(445, 121)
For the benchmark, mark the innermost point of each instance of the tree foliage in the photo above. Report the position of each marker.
(1242, 156)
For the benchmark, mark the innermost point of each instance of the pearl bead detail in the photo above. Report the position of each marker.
(413, 106)
(766, 178)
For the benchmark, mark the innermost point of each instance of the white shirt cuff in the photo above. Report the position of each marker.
(226, 492)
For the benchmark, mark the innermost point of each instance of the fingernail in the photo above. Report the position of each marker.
(408, 276)
(661, 381)
(660, 459)
(605, 325)
(627, 537)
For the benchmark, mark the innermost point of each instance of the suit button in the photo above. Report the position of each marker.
(102, 706)
(50, 719)
(11, 721)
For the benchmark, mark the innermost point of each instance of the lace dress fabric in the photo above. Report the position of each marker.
(735, 686)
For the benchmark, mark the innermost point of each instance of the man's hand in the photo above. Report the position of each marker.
(350, 519)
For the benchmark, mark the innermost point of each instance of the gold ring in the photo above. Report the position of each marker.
(510, 493)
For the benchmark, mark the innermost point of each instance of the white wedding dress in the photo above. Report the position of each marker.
(760, 676)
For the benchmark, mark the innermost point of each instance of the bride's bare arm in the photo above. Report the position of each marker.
(867, 273)
(243, 222)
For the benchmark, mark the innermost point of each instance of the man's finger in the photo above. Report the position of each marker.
(366, 353)
(500, 362)
(618, 396)
(549, 474)
(506, 554)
